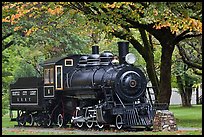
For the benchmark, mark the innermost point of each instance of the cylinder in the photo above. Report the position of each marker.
(95, 49)
(123, 49)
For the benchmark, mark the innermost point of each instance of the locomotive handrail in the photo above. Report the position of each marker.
(68, 79)
(85, 88)
(120, 100)
(150, 98)
(72, 76)
(93, 84)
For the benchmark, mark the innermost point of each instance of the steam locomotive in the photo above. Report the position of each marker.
(93, 90)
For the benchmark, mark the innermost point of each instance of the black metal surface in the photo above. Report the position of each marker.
(123, 49)
(27, 93)
(27, 82)
(86, 77)
(93, 60)
(95, 49)
(125, 89)
(105, 58)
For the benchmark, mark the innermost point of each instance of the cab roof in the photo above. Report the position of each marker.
(55, 60)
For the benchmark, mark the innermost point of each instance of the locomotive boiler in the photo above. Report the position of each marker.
(93, 90)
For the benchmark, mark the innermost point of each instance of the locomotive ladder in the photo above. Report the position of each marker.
(108, 95)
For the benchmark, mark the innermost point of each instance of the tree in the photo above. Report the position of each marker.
(190, 51)
(23, 21)
(186, 80)
(168, 22)
(186, 68)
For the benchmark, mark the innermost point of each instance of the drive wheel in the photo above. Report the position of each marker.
(119, 121)
(99, 125)
(39, 120)
(60, 120)
(78, 124)
(39, 124)
(30, 120)
(49, 121)
(90, 122)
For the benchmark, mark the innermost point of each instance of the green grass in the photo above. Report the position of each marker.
(188, 117)
(7, 123)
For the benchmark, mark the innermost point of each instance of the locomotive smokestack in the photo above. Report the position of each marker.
(95, 49)
(123, 49)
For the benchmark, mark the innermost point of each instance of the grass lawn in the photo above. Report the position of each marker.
(188, 117)
(6, 123)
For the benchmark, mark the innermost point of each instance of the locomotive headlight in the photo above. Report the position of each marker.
(130, 58)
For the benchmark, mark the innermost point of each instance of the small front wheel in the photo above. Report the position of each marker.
(49, 120)
(119, 121)
(21, 118)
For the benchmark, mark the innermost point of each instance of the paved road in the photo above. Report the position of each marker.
(66, 131)
(188, 128)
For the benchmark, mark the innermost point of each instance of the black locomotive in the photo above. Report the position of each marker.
(85, 90)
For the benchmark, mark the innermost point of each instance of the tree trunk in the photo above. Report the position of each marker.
(165, 74)
(183, 98)
(181, 90)
(148, 55)
(152, 76)
(188, 93)
(186, 97)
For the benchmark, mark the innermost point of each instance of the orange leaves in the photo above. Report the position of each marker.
(28, 32)
(20, 11)
(57, 11)
(110, 5)
(195, 25)
(17, 28)
(191, 24)
(31, 30)
(163, 24)
(6, 19)
(15, 18)
(177, 24)
(114, 5)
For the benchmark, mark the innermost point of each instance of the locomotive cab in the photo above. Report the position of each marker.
(55, 71)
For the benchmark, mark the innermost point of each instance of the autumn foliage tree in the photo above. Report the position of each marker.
(168, 22)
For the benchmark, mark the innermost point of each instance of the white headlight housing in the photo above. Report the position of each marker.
(130, 58)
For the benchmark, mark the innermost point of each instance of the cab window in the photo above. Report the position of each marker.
(51, 75)
(48, 76)
(58, 73)
(68, 62)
